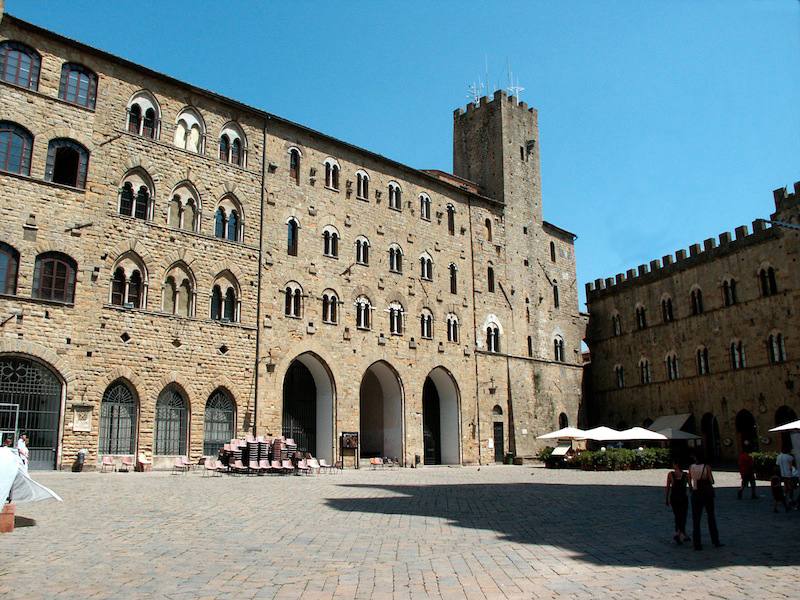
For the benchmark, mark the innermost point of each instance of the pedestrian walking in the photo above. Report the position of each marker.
(22, 448)
(785, 461)
(776, 485)
(678, 500)
(702, 480)
(747, 472)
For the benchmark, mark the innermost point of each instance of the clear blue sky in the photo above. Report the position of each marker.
(661, 123)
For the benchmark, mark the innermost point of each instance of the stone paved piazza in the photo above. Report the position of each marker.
(501, 532)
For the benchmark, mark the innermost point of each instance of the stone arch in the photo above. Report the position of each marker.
(73, 134)
(381, 411)
(57, 364)
(105, 380)
(441, 418)
(135, 161)
(130, 245)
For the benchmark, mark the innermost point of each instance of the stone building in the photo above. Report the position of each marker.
(710, 335)
(180, 268)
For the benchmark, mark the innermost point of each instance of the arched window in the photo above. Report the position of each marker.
(235, 151)
(453, 269)
(54, 277)
(184, 208)
(488, 224)
(776, 349)
(769, 285)
(330, 307)
(641, 317)
(171, 427)
(218, 422)
(666, 310)
(396, 318)
(702, 361)
(644, 371)
(362, 185)
(558, 349)
(135, 195)
(395, 196)
(451, 219)
(729, 292)
(363, 312)
(118, 417)
(190, 131)
(672, 366)
(128, 285)
(331, 174)
(19, 64)
(426, 267)
(67, 163)
(9, 268)
(452, 328)
(616, 325)
(143, 115)
(697, 301)
(552, 252)
(16, 145)
(490, 278)
(225, 298)
(737, 355)
(556, 302)
(362, 250)
(228, 220)
(293, 300)
(563, 421)
(78, 85)
(292, 235)
(619, 376)
(330, 242)
(425, 207)
(395, 259)
(294, 165)
(426, 324)
(178, 295)
(493, 337)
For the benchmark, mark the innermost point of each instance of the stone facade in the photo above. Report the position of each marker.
(95, 341)
(737, 358)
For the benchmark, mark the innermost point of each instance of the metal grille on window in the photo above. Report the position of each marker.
(171, 426)
(118, 420)
(219, 421)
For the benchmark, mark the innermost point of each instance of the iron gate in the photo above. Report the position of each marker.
(300, 408)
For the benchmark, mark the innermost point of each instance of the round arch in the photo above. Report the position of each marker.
(441, 418)
(381, 421)
(309, 397)
(746, 431)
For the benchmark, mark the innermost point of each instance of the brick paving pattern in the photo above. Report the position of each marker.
(501, 532)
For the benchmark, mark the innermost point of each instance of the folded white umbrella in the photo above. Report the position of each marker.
(563, 434)
(603, 434)
(15, 481)
(641, 434)
(793, 426)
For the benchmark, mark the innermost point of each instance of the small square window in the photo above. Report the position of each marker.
(525, 229)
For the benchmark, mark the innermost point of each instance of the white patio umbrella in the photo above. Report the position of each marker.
(14, 480)
(641, 434)
(793, 426)
(603, 434)
(563, 434)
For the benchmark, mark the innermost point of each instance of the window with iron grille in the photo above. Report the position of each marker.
(118, 417)
(218, 422)
(171, 425)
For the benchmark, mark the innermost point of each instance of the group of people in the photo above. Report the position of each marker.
(700, 480)
(22, 449)
(783, 482)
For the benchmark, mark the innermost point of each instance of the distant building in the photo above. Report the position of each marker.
(712, 334)
(180, 268)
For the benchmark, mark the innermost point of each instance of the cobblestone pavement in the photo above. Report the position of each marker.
(501, 532)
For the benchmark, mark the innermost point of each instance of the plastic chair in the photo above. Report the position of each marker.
(108, 461)
(179, 466)
(127, 464)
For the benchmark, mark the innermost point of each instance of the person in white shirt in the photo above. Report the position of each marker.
(22, 448)
(785, 462)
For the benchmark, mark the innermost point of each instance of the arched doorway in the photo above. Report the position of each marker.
(37, 390)
(308, 398)
(784, 415)
(563, 420)
(746, 431)
(441, 431)
(498, 434)
(709, 429)
(172, 422)
(219, 422)
(381, 412)
(118, 419)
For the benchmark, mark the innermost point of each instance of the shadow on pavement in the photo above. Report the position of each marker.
(620, 525)
(24, 522)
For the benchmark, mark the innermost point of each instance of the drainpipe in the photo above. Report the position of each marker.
(474, 331)
(512, 436)
(259, 277)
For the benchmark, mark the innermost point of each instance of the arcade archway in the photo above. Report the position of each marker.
(308, 399)
(381, 412)
(441, 431)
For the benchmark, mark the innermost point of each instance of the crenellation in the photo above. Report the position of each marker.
(680, 255)
(741, 232)
(642, 270)
(694, 250)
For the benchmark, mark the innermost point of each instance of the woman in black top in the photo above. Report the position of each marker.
(677, 498)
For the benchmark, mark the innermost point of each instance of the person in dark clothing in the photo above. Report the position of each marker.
(702, 480)
(747, 472)
(677, 498)
(776, 485)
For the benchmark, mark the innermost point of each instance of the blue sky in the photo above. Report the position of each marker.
(661, 123)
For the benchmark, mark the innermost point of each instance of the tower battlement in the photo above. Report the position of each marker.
(499, 96)
(785, 200)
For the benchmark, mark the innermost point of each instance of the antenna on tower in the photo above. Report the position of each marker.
(474, 92)
(514, 88)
